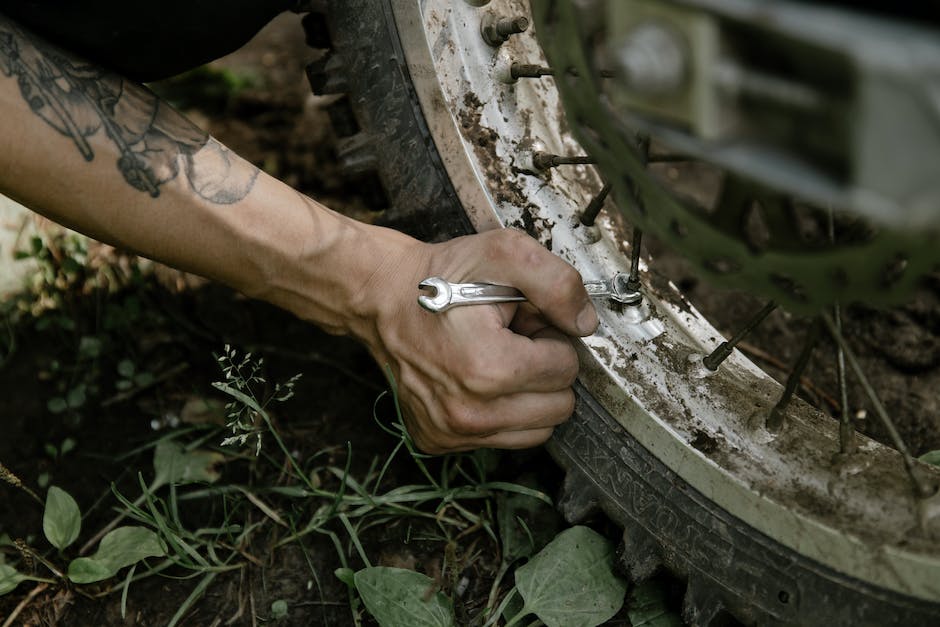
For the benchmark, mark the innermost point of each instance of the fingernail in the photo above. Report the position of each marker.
(587, 320)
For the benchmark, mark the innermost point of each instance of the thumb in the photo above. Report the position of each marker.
(549, 283)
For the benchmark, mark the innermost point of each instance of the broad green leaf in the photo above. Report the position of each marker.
(9, 578)
(526, 524)
(396, 597)
(648, 606)
(61, 520)
(174, 464)
(931, 457)
(279, 609)
(121, 547)
(89, 570)
(571, 582)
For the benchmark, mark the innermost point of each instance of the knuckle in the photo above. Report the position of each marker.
(464, 421)
(564, 295)
(483, 376)
(566, 281)
(511, 242)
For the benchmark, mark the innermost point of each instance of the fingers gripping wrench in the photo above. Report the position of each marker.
(442, 295)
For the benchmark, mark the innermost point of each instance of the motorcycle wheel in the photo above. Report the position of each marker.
(764, 526)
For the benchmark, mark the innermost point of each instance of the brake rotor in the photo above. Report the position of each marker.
(753, 238)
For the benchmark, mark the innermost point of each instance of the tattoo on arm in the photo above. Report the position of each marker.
(155, 143)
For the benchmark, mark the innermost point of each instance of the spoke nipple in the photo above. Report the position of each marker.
(594, 207)
(544, 160)
(774, 422)
(714, 359)
(724, 350)
(497, 30)
(523, 70)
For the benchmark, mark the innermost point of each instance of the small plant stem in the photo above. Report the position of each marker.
(251, 605)
(126, 588)
(192, 598)
(494, 589)
(27, 550)
(7, 475)
(353, 601)
(166, 563)
(355, 539)
(22, 605)
(494, 617)
(415, 455)
(388, 462)
(518, 617)
(344, 481)
(313, 572)
(253, 404)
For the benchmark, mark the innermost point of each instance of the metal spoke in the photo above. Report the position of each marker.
(594, 207)
(525, 70)
(776, 418)
(921, 486)
(847, 443)
(713, 360)
(544, 160)
(633, 283)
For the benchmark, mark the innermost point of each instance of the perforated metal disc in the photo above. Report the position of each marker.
(751, 238)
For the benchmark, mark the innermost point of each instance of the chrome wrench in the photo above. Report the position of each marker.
(442, 295)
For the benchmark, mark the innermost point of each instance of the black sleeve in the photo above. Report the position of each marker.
(146, 40)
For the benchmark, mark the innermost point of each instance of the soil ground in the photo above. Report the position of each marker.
(170, 326)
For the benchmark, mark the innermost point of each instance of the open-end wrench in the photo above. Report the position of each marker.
(442, 295)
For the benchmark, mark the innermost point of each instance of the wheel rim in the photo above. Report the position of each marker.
(644, 365)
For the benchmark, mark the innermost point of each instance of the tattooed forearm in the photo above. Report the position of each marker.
(155, 143)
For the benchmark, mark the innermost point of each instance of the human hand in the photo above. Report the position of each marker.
(495, 376)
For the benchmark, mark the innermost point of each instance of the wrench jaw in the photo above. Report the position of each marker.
(439, 298)
(622, 292)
